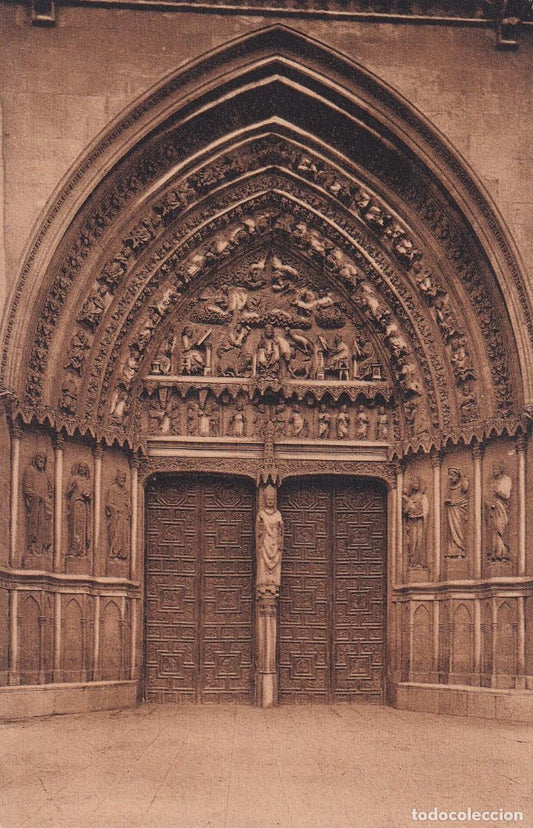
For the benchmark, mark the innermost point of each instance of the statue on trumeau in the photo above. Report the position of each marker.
(269, 534)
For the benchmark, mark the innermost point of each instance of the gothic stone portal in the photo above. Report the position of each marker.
(199, 590)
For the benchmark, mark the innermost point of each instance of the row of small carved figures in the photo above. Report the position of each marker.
(292, 421)
(38, 493)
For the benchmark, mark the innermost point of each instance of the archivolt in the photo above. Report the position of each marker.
(272, 125)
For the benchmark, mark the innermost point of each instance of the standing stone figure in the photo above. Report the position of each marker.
(38, 494)
(497, 514)
(237, 423)
(382, 424)
(269, 533)
(324, 422)
(342, 423)
(415, 512)
(79, 498)
(362, 422)
(456, 504)
(118, 512)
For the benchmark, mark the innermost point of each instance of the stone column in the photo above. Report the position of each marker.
(123, 628)
(43, 620)
(411, 628)
(521, 645)
(436, 461)
(59, 444)
(134, 507)
(133, 640)
(393, 528)
(96, 639)
(266, 676)
(14, 637)
(16, 436)
(400, 570)
(477, 641)
(521, 453)
(97, 503)
(436, 637)
(494, 640)
(269, 547)
(477, 454)
(84, 672)
(57, 637)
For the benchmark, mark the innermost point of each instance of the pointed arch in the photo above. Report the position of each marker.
(378, 183)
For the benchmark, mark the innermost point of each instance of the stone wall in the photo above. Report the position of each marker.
(62, 85)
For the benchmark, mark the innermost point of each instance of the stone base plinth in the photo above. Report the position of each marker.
(463, 700)
(26, 701)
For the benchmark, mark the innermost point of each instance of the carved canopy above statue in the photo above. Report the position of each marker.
(271, 227)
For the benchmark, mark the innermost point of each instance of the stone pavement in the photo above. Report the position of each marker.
(241, 767)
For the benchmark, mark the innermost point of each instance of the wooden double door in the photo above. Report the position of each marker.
(199, 630)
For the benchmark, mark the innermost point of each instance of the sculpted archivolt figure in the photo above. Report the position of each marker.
(415, 512)
(38, 494)
(497, 514)
(269, 533)
(79, 499)
(118, 512)
(456, 504)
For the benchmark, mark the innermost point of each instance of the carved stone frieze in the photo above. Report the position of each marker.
(200, 414)
(252, 468)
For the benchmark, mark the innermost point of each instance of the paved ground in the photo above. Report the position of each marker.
(240, 767)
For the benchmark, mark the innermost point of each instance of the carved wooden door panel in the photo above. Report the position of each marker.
(332, 597)
(199, 590)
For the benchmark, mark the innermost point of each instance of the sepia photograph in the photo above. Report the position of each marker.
(266, 413)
